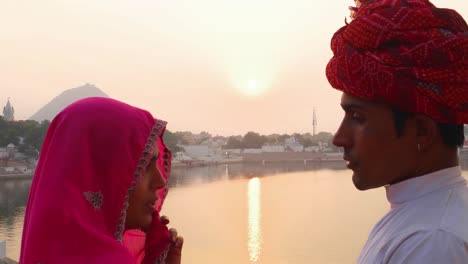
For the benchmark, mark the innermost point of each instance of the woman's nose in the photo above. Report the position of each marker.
(159, 180)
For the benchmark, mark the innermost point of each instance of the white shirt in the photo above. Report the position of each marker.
(427, 222)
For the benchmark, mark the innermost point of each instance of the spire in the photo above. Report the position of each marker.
(8, 111)
(314, 122)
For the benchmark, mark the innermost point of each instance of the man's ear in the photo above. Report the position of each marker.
(426, 131)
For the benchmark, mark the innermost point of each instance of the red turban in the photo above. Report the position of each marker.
(408, 54)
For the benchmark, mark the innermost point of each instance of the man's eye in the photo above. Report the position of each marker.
(358, 118)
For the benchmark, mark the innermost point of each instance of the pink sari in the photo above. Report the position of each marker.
(95, 151)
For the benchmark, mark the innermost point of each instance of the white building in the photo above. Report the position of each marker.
(203, 153)
(290, 141)
(3, 153)
(198, 151)
(8, 152)
(214, 143)
(292, 144)
(312, 149)
(181, 156)
(275, 148)
(232, 151)
(252, 151)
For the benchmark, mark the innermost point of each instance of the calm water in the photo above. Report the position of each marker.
(273, 214)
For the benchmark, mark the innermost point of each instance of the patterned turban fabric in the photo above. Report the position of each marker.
(408, 54)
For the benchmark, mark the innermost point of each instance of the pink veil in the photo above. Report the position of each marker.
(94, 153)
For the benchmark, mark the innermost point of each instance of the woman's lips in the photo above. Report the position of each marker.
(151, 206)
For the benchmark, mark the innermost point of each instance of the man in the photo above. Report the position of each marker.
(402, 66)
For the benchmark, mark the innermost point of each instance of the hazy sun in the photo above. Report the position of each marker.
(252, 88)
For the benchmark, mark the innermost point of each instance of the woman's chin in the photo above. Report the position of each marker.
(146, 224)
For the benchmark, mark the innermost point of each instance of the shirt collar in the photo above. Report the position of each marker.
(414, 188)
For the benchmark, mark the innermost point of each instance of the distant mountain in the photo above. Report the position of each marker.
(50, 110)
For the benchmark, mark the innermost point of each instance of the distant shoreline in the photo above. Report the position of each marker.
(15, 176)
(196, 164)
(265, 162)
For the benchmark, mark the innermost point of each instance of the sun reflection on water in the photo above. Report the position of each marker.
(255, 213)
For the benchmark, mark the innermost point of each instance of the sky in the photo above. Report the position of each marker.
(225, 67)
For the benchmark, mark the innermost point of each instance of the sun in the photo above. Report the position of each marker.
(252, 88)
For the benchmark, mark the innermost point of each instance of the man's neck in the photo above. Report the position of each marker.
(430, 164)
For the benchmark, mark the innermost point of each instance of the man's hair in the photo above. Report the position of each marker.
(452, 135)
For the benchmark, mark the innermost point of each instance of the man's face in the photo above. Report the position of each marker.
(375, 154)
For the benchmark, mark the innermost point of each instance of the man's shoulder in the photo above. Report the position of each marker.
(455, 217)
(427, 243)
(428, 233)
(416, 244)
(442, 211)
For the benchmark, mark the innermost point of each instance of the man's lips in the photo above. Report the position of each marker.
(349, 162)
(351, 165)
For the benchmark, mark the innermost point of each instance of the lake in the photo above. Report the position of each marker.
(250, 213)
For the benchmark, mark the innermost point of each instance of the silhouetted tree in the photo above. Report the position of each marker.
(233, 143)
(253, 140)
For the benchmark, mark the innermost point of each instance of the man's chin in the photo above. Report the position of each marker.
(359, 183)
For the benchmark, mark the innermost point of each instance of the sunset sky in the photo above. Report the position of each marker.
(225, 67)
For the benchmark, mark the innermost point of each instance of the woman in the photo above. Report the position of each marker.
(101, 178)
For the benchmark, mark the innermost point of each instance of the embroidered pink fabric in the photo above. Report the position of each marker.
(95, 152)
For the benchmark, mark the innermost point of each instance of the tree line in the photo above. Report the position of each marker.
(255, 140)
(28, 136)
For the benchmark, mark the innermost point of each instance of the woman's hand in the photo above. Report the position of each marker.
(174, 254)
(165, 220)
